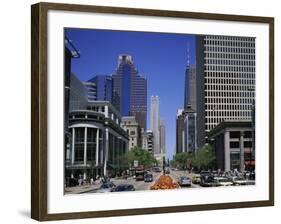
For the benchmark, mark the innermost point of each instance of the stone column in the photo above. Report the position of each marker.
(242, 151)
(85, 146)
(97, 147)
(226, 152)
(73, 146)
(106, 151)
(85, 151)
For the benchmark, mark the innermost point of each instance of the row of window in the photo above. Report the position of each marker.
(246, 144)
(230, 40)
(223, 49)
(229, 62)
(237, 134)
(217, 116)
(222, 68)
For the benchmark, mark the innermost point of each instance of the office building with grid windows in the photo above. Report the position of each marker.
(225, 81)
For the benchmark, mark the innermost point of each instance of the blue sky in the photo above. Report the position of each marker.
(160, 57)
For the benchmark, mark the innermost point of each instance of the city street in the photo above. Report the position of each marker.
(175, 174)
(138, 185)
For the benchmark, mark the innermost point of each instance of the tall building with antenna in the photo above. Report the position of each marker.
(190, 82)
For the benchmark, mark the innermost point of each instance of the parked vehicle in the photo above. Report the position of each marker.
(207, 181)
(196, 179)
(184, 181)
(106, 187)
(148, 177)
(222, 181)
(156, 169)
(123, 187)
(239, 181)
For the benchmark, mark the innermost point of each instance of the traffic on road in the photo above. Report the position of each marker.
(155, 179)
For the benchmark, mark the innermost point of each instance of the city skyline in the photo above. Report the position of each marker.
(149, 50)
(215, 120)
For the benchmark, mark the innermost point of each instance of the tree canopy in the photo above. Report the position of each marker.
(143, 157)
(203, 158)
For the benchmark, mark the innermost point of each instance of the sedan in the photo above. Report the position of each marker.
(196, 179)
(184, 181)
(148, 177)
(123, 187)
(222, 181)
(106, 187)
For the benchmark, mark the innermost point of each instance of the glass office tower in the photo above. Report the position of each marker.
(131, 89)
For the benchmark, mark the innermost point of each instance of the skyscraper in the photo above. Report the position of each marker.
(162, 132)
(131, 89)
(190, 87)
(190, 131)
(225, 78)
(104, 87)
(180, 135)
(154, 122)
(91, 90)
(190, 82)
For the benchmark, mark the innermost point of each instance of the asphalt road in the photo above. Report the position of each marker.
(175, 174)
(141, 185)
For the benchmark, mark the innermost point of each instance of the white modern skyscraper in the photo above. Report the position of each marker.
(154, 123)
(162, 133)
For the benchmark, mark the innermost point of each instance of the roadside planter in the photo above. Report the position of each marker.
(164, 182)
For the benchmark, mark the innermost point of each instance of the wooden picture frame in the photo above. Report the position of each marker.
(39, 109)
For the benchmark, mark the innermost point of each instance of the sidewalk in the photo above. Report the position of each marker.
(82, 189)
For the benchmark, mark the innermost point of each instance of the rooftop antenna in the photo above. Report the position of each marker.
(188, 54)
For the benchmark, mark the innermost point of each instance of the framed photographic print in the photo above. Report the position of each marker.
(139, 111)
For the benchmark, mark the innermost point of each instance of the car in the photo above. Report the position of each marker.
(139, 177)
(123, 187)
(222, 181)
(196, 179)
(167, 171)
(156, 169)
(106, 187)
(184, 181)
(205, 173)
(207, 181)
(238, 181)
(148, 177)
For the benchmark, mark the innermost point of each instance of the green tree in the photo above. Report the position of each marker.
(204, 157)
(144, 157)
(183, 160)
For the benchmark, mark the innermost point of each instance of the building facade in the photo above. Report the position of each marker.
(104, 87)
(130, 125)
(154, 123)
(131, 89)
(232, 141)
(190, 130)
(98, 141)
(77, 94)
(180, 131)
(192, 87)
(225, 79)
(91, 88)
(147, 140)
